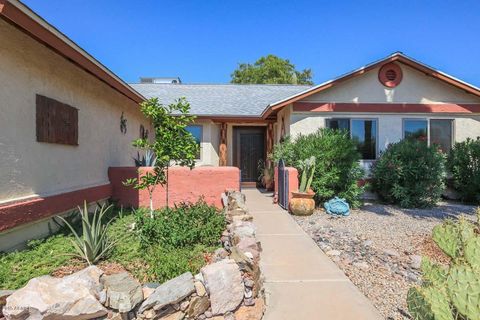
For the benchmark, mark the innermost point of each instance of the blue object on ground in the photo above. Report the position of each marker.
(337, 206)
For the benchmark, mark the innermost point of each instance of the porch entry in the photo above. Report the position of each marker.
(248, 150)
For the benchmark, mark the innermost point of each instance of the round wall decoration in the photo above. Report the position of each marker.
(390, 75)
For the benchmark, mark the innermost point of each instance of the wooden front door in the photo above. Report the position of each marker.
(249, 149)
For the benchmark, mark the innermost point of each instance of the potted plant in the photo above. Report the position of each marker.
(266, 175)
(302, 202)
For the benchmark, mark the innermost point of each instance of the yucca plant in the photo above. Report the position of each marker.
(93, 243)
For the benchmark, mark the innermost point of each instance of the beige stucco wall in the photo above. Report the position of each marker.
(415, 87)
(29, 168)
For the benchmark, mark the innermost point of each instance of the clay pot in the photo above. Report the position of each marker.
(302, 203)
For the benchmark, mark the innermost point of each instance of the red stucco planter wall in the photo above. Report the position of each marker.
(184, 185)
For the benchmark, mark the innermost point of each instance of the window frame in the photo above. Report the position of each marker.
(428, 119)
(200, 151)
(377, 131)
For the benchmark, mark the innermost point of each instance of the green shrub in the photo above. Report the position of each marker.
(464, 165)
(40, 258)
(409, 173)
(337, 167)
(185, 225)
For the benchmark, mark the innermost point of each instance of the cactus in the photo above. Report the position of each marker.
(428, 304)
(472, 252)
(464, 290)
(308, 169)
(450, 292)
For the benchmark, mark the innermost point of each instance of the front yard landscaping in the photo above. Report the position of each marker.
(194, 231)
(379, 247)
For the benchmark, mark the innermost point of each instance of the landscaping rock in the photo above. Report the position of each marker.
(200, 289)
(184, 305)
(391, 252)
(254, 312)
(416, 261)
(198, 305)
(170, 292)
(174, 316)
(123, 291)
(4, 294)
(225, 285)
(73, 297)
(333, 253)
(220, 254)
(236, 200)
(148, 289)
(243, 217)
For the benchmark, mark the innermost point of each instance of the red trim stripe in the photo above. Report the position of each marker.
(386, 107)
(16, 213)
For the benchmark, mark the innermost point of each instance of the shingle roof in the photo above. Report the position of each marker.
(221, 99)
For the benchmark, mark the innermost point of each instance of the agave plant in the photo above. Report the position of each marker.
(148, 160)
(93, 243)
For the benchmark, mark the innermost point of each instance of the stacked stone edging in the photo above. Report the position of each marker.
(228, 288)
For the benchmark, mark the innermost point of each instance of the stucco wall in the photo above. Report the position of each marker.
(28, 167)
(184, 185)
(415, 87)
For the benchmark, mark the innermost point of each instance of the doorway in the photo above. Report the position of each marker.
(248, 150)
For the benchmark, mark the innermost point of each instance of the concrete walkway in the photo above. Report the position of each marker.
(301, 282)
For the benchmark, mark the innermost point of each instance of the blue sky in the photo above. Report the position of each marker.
(203, 41)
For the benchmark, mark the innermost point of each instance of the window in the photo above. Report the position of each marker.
(441, 133)
(196, 132)
(342, 123)
(433, 131)
(362, 131)
(415, 129)
(56, 122)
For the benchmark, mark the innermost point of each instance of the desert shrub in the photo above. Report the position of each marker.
(409, 173)
(184, 225)
(464, 166)
(337, 168)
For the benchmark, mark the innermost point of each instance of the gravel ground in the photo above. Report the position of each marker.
(379, 247)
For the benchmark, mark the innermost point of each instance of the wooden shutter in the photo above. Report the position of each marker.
(57, 122)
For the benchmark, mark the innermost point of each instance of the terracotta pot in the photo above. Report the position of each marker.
(302, 203)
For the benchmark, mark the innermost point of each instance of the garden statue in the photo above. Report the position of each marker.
(337, 206)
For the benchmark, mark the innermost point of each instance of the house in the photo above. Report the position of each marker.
(66, 120)
(379, 104)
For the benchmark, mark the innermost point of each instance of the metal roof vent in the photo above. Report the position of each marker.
(163, 80)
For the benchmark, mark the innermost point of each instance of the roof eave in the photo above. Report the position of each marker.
(397, 56)
(23, 18)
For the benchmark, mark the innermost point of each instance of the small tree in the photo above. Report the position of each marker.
(173, 144)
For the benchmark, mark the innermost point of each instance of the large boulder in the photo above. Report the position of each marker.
(225, 285)
(74, 297)
(123, 292)
(170, 292)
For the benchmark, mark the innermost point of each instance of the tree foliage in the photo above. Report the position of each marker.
(173, 144)
(271, 70)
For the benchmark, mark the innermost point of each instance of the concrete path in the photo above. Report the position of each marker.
(301, 282)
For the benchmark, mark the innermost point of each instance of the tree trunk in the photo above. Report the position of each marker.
(151, 204)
